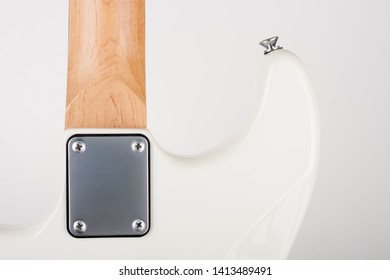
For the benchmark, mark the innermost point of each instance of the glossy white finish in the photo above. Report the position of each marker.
(244, 199)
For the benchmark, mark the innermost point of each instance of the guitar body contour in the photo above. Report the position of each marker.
(244, 200)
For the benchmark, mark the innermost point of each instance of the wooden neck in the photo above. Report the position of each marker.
(106, 67)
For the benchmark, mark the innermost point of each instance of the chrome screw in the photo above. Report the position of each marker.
(138, 225)
(138, 146)
(79, 226)
(78, 147)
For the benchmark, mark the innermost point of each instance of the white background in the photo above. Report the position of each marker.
(108, 269)
(213, 45)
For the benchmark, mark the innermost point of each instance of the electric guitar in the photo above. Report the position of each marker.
(125, 197)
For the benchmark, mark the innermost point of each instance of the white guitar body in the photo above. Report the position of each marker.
(243, 200)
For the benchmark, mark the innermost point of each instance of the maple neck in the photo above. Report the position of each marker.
(106, 64)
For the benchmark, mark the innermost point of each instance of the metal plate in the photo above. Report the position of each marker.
(108, 185)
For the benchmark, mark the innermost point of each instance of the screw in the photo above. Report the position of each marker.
(79, 226)
(138, 146)
(138, 225)
(78, 147)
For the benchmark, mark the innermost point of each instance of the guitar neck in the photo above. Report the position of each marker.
(106, 64)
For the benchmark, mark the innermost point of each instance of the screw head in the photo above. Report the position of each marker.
(78, 147)
(138, 225)
(138, 146)
(79, 226)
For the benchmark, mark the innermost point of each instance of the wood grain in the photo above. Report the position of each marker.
(106, 64)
